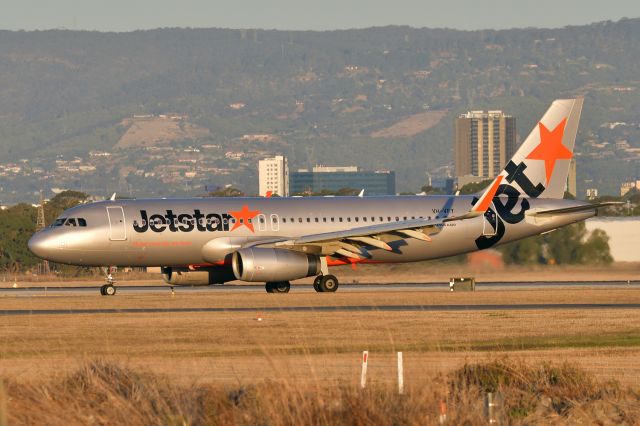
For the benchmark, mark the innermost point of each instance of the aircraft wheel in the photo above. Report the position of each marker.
(102, 290)
(316, 283)
(328, 283)
(282, 287)
(277, 287)
(108, 290)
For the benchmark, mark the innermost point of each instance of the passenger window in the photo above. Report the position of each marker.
(324, 219)
(340, 219)
(71, 222)
(284, 220)
(300, 220)
(405, 218)
(82, 222)
(413, 217)
(317, 220)
(364, 218)
(373, 219)
(357, 219)
(308, 219)
(388, 218)
(332, 220)
(349, 219)
(381, 219)
(397, 218)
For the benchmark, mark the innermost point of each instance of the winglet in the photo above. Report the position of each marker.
(361, 194)
(485, 200)
(113, 197)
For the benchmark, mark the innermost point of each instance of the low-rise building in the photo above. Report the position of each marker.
(380, 182)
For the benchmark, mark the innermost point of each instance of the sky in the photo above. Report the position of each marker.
(129, 15)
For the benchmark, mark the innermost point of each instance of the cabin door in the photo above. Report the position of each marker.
(117, 229)
(489, 223)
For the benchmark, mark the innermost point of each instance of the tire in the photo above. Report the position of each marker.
(282, 287)
(316, 283)
(328, 283)
(269, 287)
(102, 290)
(109, 290)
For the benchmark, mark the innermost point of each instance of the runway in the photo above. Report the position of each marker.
(352, 308)
(344, 287)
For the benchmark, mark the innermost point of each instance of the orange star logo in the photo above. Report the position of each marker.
(243, 217)
(551, 148)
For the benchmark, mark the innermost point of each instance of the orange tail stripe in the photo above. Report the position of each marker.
(485, 201)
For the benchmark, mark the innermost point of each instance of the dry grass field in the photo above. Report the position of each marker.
(309, 350)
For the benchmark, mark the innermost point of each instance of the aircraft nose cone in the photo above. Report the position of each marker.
(41, 245)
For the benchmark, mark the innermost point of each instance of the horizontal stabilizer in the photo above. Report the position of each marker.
(585, 207)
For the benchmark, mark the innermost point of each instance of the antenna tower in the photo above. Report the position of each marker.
(43, 267)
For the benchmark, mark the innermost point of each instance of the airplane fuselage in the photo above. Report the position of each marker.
(203, 231)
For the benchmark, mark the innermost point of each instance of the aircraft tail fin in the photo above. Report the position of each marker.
(539, 168)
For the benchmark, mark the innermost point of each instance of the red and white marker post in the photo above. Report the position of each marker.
(363, 376)
(400, 374)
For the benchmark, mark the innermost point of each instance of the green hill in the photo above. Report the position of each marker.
(325, 96)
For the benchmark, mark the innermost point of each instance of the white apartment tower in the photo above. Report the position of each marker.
(273, 174)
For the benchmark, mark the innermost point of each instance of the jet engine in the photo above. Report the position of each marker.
(271, 265)
(200, 276)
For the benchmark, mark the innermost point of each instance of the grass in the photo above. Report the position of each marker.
(100, 392)
(234, 347)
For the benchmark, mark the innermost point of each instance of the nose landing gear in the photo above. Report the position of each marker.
(109, 289)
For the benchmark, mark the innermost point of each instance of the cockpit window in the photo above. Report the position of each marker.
(70, 221)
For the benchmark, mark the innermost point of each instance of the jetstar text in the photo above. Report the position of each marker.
(182, 222)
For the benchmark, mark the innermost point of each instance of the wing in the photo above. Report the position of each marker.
(353, 243)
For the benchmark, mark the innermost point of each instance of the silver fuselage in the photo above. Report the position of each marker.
(202, 231)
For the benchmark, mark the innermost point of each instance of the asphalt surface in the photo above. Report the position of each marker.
(347, 308)
(124, 290)
(346, 287)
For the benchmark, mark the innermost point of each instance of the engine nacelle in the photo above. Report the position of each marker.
(200, 276)
(270, 265)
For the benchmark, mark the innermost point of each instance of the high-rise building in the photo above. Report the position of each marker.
(381, 182)
(485, 141)
(273, 175)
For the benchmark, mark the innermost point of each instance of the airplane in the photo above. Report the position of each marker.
(204, 241)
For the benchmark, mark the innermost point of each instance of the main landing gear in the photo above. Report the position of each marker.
(278, 287)
(325, 284)
(108, 289)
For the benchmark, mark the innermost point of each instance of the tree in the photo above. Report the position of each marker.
(564, 246)
(17, 224)
(342, 192)
(228, 191)
(475, 187)
(61, 202)
(430, 190)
